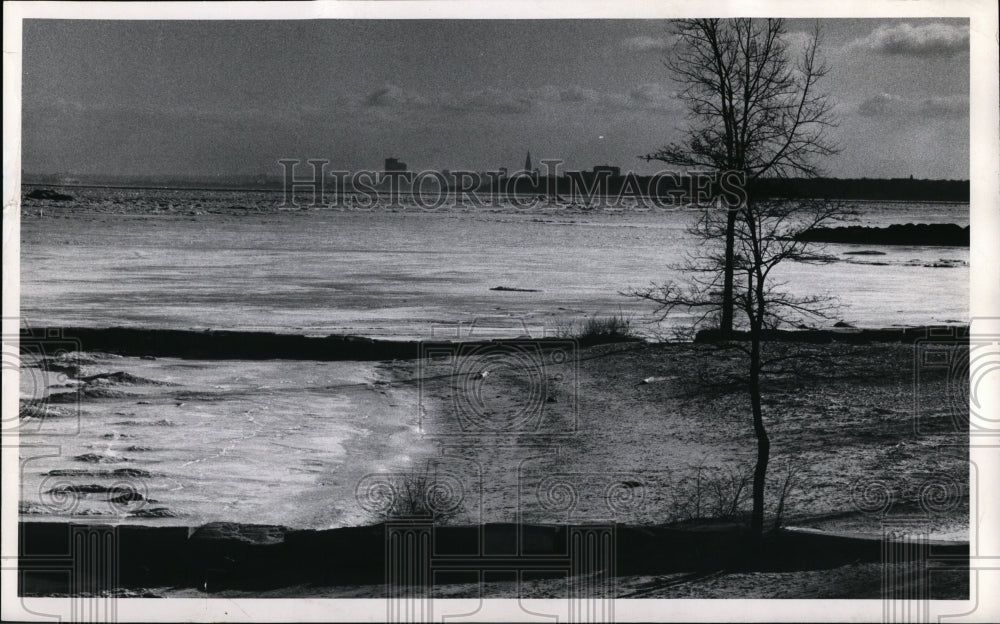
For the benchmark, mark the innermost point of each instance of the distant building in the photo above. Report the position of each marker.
(600, 173)
(527, 162)
(394, 164)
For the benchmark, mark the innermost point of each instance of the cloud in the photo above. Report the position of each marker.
(886, 104)
(385, 103)
(575, 94)
(645, 43)
(933, 39)
(495, 101)
(652, 96)
(389, 95)
(880, 104)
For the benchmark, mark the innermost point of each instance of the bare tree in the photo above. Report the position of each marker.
(754, 108)
(764, 235)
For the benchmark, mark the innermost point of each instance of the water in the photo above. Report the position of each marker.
(287, 442)
(280, 442)
(232, 260)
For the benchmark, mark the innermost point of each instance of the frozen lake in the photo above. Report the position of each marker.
(288, 442)
(164, 259)
(281, 442)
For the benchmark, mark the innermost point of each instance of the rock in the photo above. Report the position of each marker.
(121, 378)
(96, 458)
(85, 472)
(843, 324)
(154, 512)
(30, 508)
(41, 411)
(48, 194)
(90, 488)
(512, 289)
(130, 472)
(89, 392)
(53, 366)
(126, 496)
(652, 380)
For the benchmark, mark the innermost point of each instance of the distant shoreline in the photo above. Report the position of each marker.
(274, 191)
(231, 344)
(926, 234)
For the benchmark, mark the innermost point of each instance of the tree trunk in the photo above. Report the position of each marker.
(763, 442)
(726, 322)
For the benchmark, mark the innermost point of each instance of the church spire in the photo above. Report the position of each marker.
(527, 162)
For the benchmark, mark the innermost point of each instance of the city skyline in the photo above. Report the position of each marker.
(194, 98)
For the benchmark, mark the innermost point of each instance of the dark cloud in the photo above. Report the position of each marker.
(117, 95)
(653, 96)
(490, 100)
(392, 95)
(933, 39)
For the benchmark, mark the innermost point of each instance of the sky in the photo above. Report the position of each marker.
(233, 97)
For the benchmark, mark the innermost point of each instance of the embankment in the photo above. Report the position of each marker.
(938, 234)
(225, 556)
(850, 335)
(245, 345)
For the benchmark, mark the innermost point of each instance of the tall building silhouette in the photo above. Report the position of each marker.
(394, 164)
(527, 162)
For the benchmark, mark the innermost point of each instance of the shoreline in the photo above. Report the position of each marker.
(844, 412)
(843, 419)
(275, 188)
(227, 557)
(909, 234)
(234, 344)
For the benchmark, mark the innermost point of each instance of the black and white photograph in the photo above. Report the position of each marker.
(538, 311)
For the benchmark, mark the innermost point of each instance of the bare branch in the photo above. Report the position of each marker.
(752, 106)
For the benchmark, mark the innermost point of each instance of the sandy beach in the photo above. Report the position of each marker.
(848, 421)
(630, 434)
(841, 417)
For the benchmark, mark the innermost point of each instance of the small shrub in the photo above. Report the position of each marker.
(613, 328)
(786, 483)
(715, 493)
(415, 497)
(725, 493)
